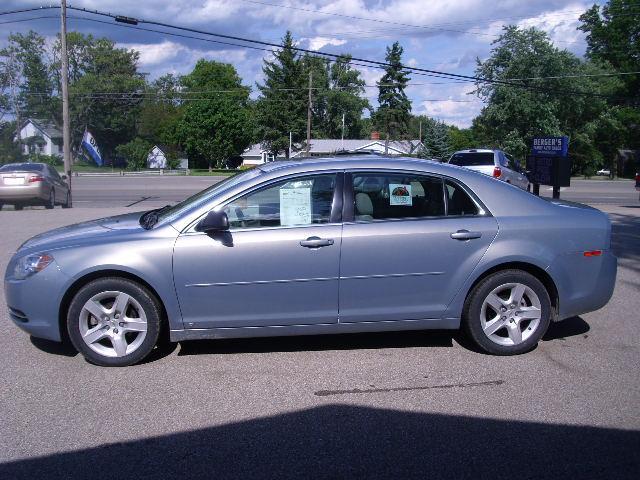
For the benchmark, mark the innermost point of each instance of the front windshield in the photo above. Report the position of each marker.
(207, 194)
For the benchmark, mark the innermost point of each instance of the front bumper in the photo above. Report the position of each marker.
(34, 303)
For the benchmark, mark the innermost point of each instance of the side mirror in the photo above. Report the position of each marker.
(213, 222)
(64, 177)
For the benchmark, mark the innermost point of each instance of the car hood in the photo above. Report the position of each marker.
(82, 232)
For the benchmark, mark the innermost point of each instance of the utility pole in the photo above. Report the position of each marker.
(66, 134)
(342, 130)
(420, 134)
(12, 68)
(290, 144)
(309, 115)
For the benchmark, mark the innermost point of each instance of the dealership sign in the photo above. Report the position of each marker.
(551, 146)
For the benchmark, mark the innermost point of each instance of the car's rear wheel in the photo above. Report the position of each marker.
(507, 313)
(18, 207)
(51, 202)
(67, 203)
(114, 322)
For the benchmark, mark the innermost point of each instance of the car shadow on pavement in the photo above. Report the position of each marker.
(64, 349)
(349, 441)
(569, 327)
(345, 341)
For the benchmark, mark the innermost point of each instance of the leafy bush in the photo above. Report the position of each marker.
(135, 152)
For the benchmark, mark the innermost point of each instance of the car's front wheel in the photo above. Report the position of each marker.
(507, 313)
(114, 322)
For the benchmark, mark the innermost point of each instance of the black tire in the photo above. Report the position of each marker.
(147, 301)
(1, 205)
(67, 203)
(18, 207)
(51, 203)
(471, 321)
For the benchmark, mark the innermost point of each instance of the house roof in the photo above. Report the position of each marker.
(47, 127)
(329, 146)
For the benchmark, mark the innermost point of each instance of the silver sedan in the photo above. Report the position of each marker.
(362, 244)
(33, 184)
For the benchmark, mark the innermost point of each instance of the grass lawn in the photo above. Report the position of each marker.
(95, 169)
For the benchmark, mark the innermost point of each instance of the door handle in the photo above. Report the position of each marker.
(465, 235)
(316, 242)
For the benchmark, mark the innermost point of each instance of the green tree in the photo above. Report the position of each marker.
(135, 153)
(435, 140)
(393, 113)
(512, 116)
(217, 123)
(27, 52)
(282, 105)
(345, 97)
(462, 138)
(105, 90)
(9, 149)
(613, 36)
(160, 111)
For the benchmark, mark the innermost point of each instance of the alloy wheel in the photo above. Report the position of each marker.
(510, 314)
(113, 324)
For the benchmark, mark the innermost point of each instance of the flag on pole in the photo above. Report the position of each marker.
(91, 146)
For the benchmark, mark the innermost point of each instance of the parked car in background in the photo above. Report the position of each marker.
(33, 184)
(333, 245)
(495, 163)
(604, 172)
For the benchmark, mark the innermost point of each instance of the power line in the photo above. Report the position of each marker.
(361, 60)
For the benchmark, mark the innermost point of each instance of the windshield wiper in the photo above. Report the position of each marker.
(150, 218)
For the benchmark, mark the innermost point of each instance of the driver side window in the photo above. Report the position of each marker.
(293, 202)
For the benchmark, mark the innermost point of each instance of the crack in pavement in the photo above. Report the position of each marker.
(326, 393)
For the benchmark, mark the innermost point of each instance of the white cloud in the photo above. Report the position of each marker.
(316, 43)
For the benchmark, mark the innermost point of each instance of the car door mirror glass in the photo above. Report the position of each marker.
(213, 222)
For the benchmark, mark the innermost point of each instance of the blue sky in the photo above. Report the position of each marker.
(436, 34)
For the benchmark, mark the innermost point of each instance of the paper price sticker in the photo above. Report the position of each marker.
(295, 206)
(400, 194)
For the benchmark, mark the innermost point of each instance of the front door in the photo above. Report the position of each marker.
(277, 265)
(413, 241)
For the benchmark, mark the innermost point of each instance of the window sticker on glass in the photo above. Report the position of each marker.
(400, 194)
(295, 206)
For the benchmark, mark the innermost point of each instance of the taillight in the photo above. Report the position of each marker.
(592, 253)
(37, 178)
(637, 177)
(497, 172)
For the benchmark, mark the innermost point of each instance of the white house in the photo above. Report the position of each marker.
(157, 158)
(40, 136)
(256, 155)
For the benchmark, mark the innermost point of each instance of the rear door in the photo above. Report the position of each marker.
(409, 243)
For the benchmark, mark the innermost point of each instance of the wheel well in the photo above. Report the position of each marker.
(537, 272)
(82, 281)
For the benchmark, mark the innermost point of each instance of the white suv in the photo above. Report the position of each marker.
(495, 163)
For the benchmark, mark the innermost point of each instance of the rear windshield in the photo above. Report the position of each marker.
(472, 159)
(23, 167)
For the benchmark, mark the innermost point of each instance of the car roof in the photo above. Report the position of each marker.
(478, 150)
(352, 162)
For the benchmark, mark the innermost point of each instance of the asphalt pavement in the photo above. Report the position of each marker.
(388, 405)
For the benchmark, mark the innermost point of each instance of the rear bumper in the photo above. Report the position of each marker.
(585, 284)
(23, 193)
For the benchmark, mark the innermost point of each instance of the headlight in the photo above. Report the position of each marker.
(30, 265)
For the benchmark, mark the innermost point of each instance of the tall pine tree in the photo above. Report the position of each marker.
(282, 106)
(393, 114)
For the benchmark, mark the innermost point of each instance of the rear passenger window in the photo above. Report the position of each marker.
(458, 201)
(379, 196)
